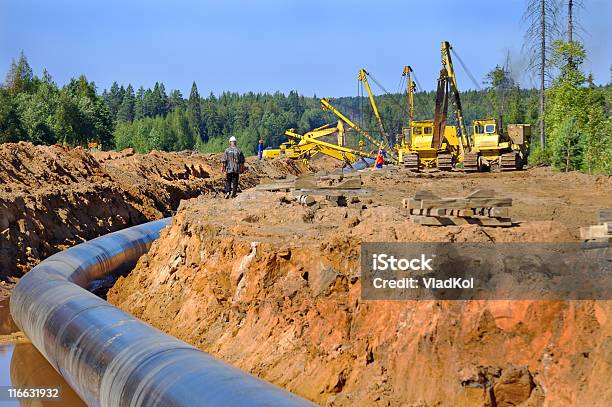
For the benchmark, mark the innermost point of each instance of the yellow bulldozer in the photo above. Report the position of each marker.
(493, 149)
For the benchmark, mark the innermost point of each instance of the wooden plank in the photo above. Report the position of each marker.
(454, 221)
(432, 220)
(305, 182)
(350, 183)
(585, 232)
(482, 193)
(464, 203)
(499, 212)
(464, 213)
(438, 212)
(593, 232)
(492, 212)
(604, 215)
(422, 194)
(413, 203)
(275, 187)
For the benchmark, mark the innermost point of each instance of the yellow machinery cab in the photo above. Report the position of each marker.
(418, 140)
(488, 139)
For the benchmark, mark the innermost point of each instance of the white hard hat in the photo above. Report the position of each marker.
(232, 139)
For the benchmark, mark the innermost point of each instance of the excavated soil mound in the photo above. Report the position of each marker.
(273, 287)
(52, 197)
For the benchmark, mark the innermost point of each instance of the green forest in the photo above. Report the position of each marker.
(34, 108)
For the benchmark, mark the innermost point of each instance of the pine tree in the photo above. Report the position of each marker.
(567, 146)
(159, 100)
(126, 111)
(195, 112)
(19, 77)
(113, 98)
(162, 100)
(175, 100)
(148, 103)
(139, 104)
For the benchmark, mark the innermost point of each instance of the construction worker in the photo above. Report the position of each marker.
(260, 149)
(233, 165)
(380, 161)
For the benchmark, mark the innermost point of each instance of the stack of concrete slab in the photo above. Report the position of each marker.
(600, 233)
(482, 207)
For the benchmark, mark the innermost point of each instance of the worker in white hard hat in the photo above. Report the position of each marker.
(233, 166)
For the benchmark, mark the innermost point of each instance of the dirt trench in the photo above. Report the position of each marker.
(52, 197)
(273, 287)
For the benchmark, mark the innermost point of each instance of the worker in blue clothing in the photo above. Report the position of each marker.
(260, 149)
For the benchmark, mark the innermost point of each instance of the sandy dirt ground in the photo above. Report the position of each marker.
(273, 287)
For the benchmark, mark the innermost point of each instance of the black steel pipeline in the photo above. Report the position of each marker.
(111, 358)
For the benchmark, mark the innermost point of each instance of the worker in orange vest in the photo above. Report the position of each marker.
(380, 161)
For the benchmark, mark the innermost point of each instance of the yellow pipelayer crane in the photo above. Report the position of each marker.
(338, 151)
(305, 147)
(490, 147)
(430, 143)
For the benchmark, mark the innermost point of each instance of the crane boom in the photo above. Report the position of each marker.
(410, 90)
(333, 150)
(328, 107)
(448, 70)
(363, 77)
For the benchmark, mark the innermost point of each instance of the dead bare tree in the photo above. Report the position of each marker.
(573, 26)
(570, 25)
(542, 18)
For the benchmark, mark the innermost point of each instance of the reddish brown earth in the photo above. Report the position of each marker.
(273, 288)
(52, 198)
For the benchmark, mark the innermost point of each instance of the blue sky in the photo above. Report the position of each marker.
(312, 46)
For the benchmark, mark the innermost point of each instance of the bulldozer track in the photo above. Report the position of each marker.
(411, 162)
(510, 162)
(470, 162)
(445, 162)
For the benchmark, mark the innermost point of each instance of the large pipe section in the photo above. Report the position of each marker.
(111, 358)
